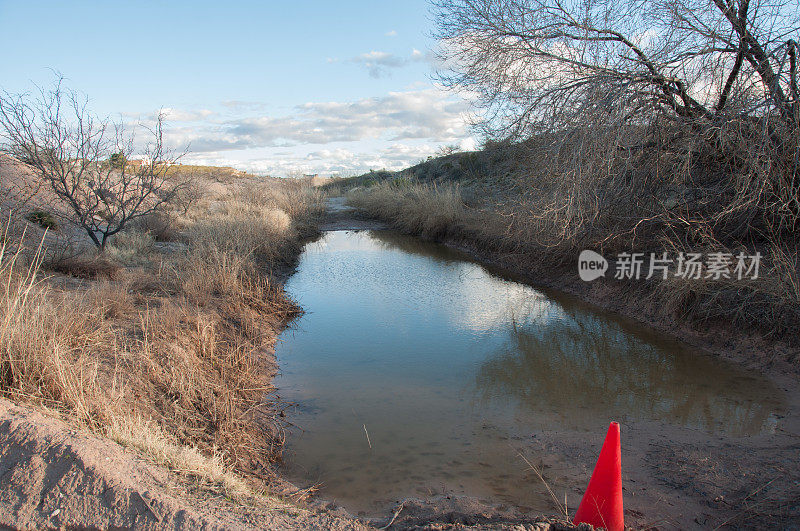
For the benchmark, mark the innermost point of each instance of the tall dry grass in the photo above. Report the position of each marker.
(629, 188)
(171, 355)
(418, 208)
(243, 229)
(44, 338)
(258, 220)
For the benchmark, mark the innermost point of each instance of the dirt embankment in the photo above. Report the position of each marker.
(53, 475)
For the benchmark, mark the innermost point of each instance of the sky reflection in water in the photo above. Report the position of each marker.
(450, 368)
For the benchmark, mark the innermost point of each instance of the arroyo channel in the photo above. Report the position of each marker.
(417, 372)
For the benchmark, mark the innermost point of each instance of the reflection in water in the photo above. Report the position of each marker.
(448, 366)
(574, 369)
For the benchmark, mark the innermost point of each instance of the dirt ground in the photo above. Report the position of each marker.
(53, 475)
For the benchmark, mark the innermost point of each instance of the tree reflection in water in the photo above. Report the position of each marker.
(568, 360)
(578, 367)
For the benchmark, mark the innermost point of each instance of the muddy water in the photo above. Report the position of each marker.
(416, 372)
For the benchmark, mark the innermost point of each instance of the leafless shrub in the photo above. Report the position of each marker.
(160, 224)
(88, 265)
(187, 194)
(676, 113)
(16, 191)
(83, 160)
(542, 63)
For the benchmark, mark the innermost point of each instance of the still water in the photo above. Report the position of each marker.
(417, 372)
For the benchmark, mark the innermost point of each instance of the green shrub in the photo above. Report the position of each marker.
(117, 160)
(43, 219)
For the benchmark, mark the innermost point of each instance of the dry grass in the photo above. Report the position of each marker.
(244, 229)
(90, 265)
(128, 248)
(425, 209)
(43, 339)
(161, 225)
(171, 353)
(632, 188)
(209, 470)
(300, 201)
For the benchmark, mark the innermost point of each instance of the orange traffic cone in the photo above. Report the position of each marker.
(601, 505)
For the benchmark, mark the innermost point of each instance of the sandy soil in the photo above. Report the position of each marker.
(53, 476)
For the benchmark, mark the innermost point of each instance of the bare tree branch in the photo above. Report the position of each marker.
(690, 58)
(70, 151)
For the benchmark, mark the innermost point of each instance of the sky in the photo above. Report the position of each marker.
(279, 88)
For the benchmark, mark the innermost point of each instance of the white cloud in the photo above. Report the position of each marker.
(179, 115)
(391, 33)
(428, 114)
(338, 160)
(379, 64)
(392, 131)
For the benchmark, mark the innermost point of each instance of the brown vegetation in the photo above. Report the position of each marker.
(538, 203)
(622, 127)
(168, 348)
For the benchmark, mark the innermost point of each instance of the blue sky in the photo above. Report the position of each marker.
(274, 87)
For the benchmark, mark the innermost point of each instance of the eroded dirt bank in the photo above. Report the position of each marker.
(674, 477)
(53, 475)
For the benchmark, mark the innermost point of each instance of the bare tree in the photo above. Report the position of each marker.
(70, 151)
(534, 64)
